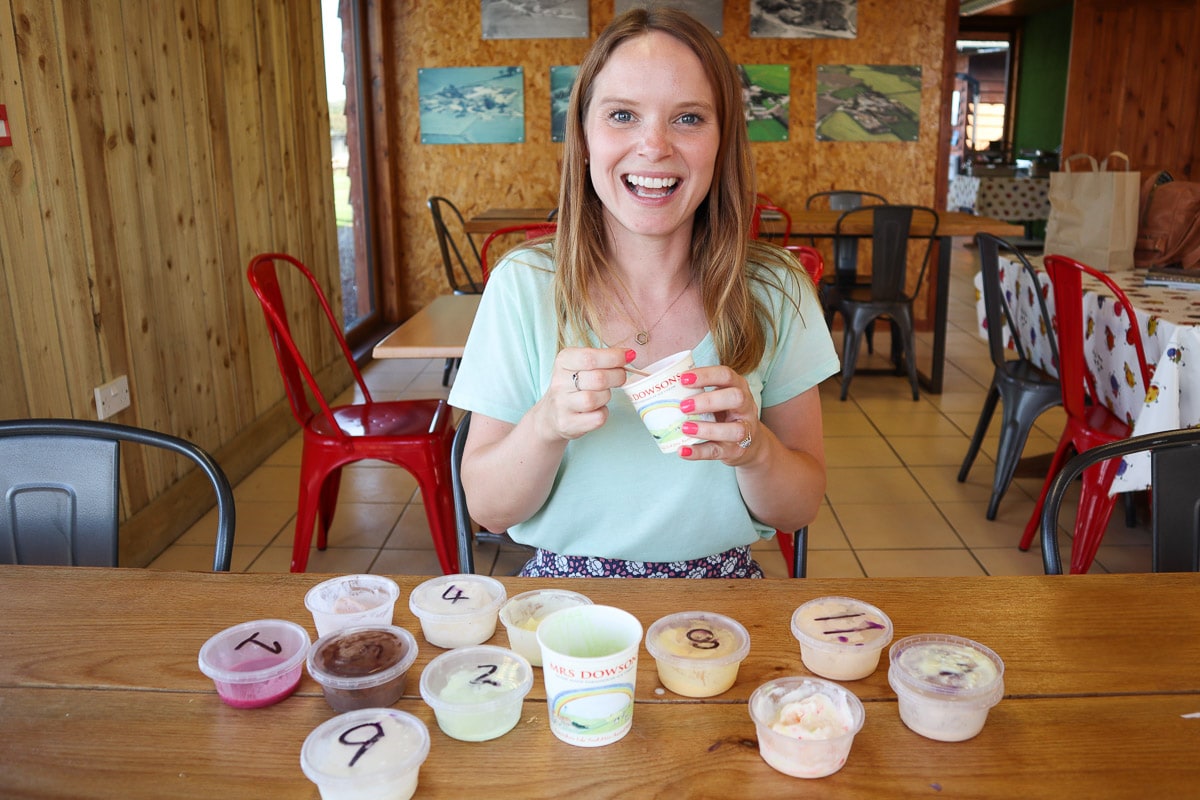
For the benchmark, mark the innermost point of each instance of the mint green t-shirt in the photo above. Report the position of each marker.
(616, 494)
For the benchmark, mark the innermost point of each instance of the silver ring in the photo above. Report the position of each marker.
(575, 380)
(744, 443)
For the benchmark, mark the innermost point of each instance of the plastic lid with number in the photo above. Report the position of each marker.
(361, 753)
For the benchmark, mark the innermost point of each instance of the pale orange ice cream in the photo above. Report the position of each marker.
(698, 653)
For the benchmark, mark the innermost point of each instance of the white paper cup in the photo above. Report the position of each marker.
(457, 610)
(841, 638)
(350, 601)
(945, 684)
(656, 399)
(523, 613)
(369, 754)
(805, 725)
(589, 663)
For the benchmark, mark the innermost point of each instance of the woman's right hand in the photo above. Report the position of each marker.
(580, 387)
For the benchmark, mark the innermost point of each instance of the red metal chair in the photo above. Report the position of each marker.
(1089, 422)
(532, 230)
(779, 223)
(794, 547)
(413, 434)
(810, 258)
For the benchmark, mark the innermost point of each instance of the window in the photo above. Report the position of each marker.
(348, 139)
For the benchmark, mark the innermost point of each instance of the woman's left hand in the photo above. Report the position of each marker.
(731, 438)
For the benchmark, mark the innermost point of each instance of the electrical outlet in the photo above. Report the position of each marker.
(112, 397)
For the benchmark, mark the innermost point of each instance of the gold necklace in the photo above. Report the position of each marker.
(642, 333)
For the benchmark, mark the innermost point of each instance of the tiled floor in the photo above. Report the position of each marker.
(893, 505)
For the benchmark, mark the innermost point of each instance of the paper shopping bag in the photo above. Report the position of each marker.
(1094, 215)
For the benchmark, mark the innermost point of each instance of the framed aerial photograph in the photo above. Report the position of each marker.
(767, 91)
(472, 105)
(868, 103)
(803, 19)
(534, 19)
(561, 81)
(710, 12)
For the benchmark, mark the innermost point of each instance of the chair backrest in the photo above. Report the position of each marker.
(1074, 375)
(842, 199)
(1175, 499)
(845, 251)
(891, 227)
(532, 231)
(778, 223)
(460, 258)
(810, 258)
(1001, 316)
(462, 517)
(60, 487)
(297, 377)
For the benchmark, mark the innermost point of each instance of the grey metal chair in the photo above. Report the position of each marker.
(1175, 497)
(60, 491)
(1024, 389)
(887, 296)
(845, 251)
(460, 257)
(464, 527)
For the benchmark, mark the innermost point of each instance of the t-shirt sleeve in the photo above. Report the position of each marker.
(504, 364)
(803, 353)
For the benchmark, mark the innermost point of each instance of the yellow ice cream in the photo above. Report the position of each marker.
(701, 640)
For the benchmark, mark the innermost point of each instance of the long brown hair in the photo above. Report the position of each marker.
(721, 242)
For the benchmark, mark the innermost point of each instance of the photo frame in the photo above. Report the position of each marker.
(472, 105)
(868, 103)
(533, 19)
(767, 92)
(562, 79)
(803, 19)
(709, 12)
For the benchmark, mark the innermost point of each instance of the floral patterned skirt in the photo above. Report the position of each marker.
(735, 563)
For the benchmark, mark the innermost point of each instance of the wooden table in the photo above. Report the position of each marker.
(439, 330)
(100, 694)
(823, 224)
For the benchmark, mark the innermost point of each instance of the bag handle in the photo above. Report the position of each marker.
(1118, 154)
(1069, 159)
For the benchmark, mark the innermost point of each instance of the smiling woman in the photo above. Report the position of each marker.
(651, 262)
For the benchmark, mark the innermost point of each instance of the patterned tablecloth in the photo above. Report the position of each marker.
(1169, 321)
(1010, 199)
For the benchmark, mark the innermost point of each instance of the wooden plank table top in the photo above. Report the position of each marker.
(99, 673)
(439, 330)
(492, 219)
(1082, 637)
(147, 746)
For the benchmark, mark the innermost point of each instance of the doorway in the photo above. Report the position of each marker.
(981, 105)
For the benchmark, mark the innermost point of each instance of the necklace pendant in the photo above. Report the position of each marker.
(641, 337)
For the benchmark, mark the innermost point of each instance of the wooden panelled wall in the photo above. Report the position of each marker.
(477, 177)
(157, 145)
(1134, 83)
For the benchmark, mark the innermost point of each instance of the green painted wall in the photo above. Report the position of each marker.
(1042, 93)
